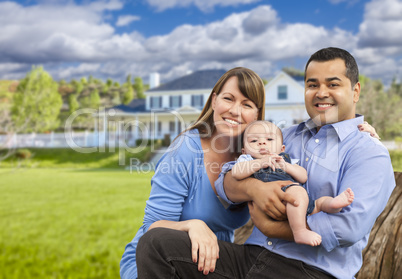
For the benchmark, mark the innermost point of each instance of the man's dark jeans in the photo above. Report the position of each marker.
(166, 253)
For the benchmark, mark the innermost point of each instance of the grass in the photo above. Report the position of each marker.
(66, 223)
(69, 158)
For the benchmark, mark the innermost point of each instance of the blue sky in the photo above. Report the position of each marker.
(114, 38)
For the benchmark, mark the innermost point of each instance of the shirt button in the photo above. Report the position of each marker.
(317, 141)
(269, 243)
(306, 159)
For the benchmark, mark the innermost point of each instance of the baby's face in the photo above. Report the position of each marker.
(262, 139)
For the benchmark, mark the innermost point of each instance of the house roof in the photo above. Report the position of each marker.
(136, 105)
(298, 78)
(204, 79)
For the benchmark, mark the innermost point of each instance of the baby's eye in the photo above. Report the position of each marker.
(252, 141)
(269, 139)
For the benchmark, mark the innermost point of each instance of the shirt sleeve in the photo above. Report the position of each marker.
(244, 158)
(370, 176)
(219, 185)
(170, 187)
(171, 183)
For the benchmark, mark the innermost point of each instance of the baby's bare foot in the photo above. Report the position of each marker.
(307, 237)
(343, 199)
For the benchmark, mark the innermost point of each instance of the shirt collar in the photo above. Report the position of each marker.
(343, 128)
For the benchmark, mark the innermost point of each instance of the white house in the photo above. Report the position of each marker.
(284, 100)
(172, 106)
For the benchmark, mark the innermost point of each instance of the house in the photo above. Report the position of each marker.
(284, 100)
(173, 106)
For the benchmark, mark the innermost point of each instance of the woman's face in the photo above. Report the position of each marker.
(232, 110)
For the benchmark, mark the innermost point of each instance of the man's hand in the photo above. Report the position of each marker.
(270, 198)
(268, 226)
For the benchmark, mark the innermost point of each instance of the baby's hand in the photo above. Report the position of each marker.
(268, 161)
(278, 161)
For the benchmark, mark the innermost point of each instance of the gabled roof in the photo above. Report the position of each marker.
(298, 78)
(204, 79)
(295, 80)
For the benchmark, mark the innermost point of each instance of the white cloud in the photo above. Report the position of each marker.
(379, 48)
(259, 20)
(382, 25)
(203, 5)
(84, 69)
(126, 20)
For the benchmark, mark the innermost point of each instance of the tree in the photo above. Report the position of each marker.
(139, 88)
(94, 99)
(128, 94)
(396, 86)
(73, 104)
(379, 107)
(91, 79)
(78, 86)
(293, 72)
(91, 101)
(37, 102)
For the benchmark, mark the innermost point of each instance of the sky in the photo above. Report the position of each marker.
(115, 38)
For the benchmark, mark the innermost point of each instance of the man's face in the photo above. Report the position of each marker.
(329, 95)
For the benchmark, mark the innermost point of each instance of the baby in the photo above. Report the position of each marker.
(264, 158)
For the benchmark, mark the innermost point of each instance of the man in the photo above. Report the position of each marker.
(337, 156)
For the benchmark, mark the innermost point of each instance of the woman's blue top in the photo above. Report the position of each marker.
(181, 191)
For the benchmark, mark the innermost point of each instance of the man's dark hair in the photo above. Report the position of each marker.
(332, 53)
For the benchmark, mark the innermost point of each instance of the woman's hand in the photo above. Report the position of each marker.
(365, 127)
(204, 246)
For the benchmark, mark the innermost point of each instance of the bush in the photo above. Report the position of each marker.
(148, 142)
(166, 140)
(23, 154)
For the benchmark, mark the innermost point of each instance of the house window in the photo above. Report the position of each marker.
(197, 101)
(172, 126)
(156, 102)
(159, 127)
(175, 101)
(282, 92)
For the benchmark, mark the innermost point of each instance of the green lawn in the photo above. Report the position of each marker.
(68, 158)
(68, 223)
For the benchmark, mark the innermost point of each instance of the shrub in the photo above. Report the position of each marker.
(166, 140)
(148, 142)
(23, 154)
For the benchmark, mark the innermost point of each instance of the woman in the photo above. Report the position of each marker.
(183, 195)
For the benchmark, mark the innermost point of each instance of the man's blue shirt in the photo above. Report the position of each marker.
(336, 157)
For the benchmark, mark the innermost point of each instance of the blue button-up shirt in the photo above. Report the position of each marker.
(336, 157)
